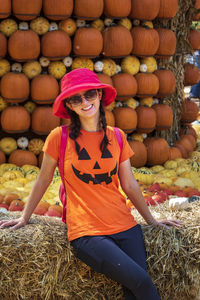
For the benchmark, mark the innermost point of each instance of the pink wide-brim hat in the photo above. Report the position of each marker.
(79, 80)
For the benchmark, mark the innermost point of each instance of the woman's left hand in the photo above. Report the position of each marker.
(166, 223)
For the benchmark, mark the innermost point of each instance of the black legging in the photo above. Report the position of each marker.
(121, 257)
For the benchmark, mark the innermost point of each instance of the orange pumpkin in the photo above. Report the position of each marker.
(139, 158)
(188, 129)
(144, 9)
(15, 87)
(26, 10)
(125, 85)
(22, 157)
(197, 6)
(125, 118)
(16, 43)
(57, 10)
(191, 141)
(164, 116)
(3, 45)
(174, 188)
(167, 82)
(16, 205)
(168, 9)
(43, 120)
(148, 84)
(2, 157)
(145, 41)
(44, 89)
(15, 119)
(174, 153)
(10, 197)
(167, 43)
(88, 42)
(117, 8)
(88, 9)
(157, 151)
(191, 74)
(194, 39)
(117, 41)
(110, 119)
(104, 78)
(178, 144)
(189, 111)
(146, 119)
(41, 208)
(5, 8)
(56, 44)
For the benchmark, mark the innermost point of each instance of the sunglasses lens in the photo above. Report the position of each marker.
(90, 95)
(77, 99)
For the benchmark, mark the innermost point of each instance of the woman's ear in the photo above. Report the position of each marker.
(100, 92)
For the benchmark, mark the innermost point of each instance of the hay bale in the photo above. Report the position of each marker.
(37, 262)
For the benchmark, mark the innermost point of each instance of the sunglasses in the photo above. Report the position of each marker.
(76, 100)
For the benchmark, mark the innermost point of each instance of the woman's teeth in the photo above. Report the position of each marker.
(87, 108)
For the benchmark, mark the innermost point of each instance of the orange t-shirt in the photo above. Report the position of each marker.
(95, 205)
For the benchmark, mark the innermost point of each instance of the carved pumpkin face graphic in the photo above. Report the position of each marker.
(94, 177)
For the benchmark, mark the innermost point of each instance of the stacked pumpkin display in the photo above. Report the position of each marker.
(42, 40)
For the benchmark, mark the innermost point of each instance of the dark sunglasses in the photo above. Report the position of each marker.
(76, 100)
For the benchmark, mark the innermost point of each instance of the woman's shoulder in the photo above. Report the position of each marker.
(55, 133)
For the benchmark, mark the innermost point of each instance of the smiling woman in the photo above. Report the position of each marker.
(101, 228)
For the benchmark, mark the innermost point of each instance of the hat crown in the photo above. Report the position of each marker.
(78, 77)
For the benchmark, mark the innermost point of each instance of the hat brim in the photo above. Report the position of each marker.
(58, 107)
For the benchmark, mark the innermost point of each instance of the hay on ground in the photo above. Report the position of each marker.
(37, 262)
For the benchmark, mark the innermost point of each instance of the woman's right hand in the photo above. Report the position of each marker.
(14, 223)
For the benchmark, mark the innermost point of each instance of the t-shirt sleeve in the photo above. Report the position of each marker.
(126, 151)
(52, 143)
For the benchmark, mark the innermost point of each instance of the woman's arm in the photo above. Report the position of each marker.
(132, 190)
(41, 184)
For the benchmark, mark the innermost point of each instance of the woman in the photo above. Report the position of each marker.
(101, 229)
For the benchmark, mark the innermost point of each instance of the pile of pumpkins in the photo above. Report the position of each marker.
(123, 48)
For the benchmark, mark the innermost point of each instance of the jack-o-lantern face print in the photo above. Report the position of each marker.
(95, 176)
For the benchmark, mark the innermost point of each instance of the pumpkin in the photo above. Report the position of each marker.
(40, 25)
(43, 120)
(148, 101)
(8, 145)
(35, 145)
(109, 66)
(5, 8)
(167, 43)
(125, 85)
(16, 205)
(8, 26)
(178, 144)
(44, 89)
(188, 129)
(54, 211)
(130, 64)
(170, 164)
(146, 119)
(125, 118)
(146, 41)
(194, 39)
(189, 142)
(22, 142)
(56, 44)
(8, 198)
(15, 119)
(117, 41)
(126, 23)
(110, 119)
(32, 69)
(139, 158)
(3, 45)
(22, 157)
(174, 153)
(15, 87)
(131, 102)
(98, 24)
(3, 104)
(82, 62)
(149, 63)
(157, 151)
(16, 43)
(68, 25)
(57, 10)
(85, 37)
(164, 116)
(197, 6)
(104, 78)
(30, 106)
(168, 9)
(144, 9)
(2, 157)
(4, 67)
(57, 69)
(117, 8)
(26, 10)
(191, 74)
(41, 208)
(189, 111)
(88, 9)
(148, 84)
(167, 82)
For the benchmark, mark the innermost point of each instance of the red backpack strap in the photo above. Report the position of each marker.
(62, 150)
(119, 137)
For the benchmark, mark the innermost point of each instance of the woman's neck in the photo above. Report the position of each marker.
(90, 124)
